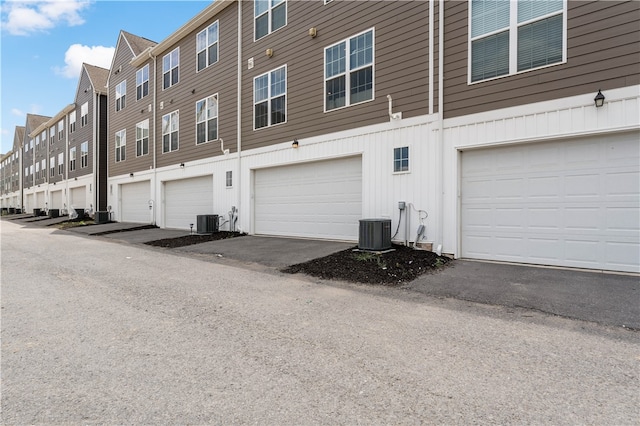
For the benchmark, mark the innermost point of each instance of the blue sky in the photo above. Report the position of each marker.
(43, 44)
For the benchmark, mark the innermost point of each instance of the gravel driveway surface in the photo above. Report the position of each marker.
(100, 332)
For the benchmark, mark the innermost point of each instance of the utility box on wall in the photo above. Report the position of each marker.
(374, 234)
(207, 223)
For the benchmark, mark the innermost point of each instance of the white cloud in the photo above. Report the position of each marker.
(26, 17)
(4, 131)
(17, 112)
(76, 54)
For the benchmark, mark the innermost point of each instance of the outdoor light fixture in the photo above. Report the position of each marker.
(295, 143)
(130, 174)
(182, 165)
(268, 53)
(599, 99)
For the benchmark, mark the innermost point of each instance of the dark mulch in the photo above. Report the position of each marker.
(188, 240)
(402, 265)
(136, 228)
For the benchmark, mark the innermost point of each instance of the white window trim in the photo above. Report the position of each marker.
(513, 41)
(52, 166)
(171, 67)
(84, 114)
(123, 95)
(269, 97)
(268, 12)
(72, 159)
(122, 147)
(141, 71)
(61, 164)
(215, 95)
(84, 155)
(347, 71)
(177, 131)
(72, 121)
(226, 179)
(60, 130)
(206, 48)
(138, 125)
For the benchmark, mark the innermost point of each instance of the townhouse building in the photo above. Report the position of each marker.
(10, 172)
(33, 191)
(303, 117)
(494, 130)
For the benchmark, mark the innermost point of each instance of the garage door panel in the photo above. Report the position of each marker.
(316, 200)
(135, 202)
(185, 199)
(575, 209)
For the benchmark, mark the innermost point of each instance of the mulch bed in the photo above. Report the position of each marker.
(402, 265)
(188, 240)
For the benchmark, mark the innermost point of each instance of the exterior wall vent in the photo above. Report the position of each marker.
(102, 217)
(207, 223)
(374, 234)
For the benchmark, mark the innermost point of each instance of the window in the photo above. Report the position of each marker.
(52, 135)
(43, 136)
(121, 145)
(207, 46)
(170, 66)
(84, 155)
(61, 163)
(269, 16)
(72, 121)
(43, 167)
(269, 98)
(72, 159)
(52, 166)
(31, 144)
(142, 82)
(84, 114)
(60, 130)
(121, 95)
(170, 132)
(401, 159)
(207, 119)
(229, 179)
(349, 77)
(510, 37)
(37, 170)
(142, 138)
(26, 171)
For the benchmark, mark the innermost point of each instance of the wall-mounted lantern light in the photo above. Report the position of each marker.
(182, 165)
(599, 99)
(295, 143)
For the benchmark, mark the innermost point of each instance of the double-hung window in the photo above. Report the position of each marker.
(207, 46)
(142, 82)
(84, 114)
(121, 145)
(72, 121)
(52, 166)
(348, 71)
(38, 170)
(508, 37)
(142, 138)
(61, 164)
(170, 68)
(43, 137)
(84, 154)
(60, 130)
(52, 135)
(170, 132)
(270, 98)
(72, 159)
(43, 167)
(269, 15)
(207, 119)
(121, 95)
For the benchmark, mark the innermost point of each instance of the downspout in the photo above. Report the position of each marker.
(155, 173)
(441, 123)
(96, 171)
(239, 115)
(431, 85)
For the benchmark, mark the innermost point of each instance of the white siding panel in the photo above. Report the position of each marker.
(56, 200)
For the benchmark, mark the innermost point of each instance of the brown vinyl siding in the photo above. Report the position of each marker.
(134, 112)
(82, 134)
(603, 51)
(220, 78)
(401, 63)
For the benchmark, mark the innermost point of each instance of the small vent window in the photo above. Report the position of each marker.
(401, 159)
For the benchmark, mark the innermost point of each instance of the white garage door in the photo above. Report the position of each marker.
(79, 198)
(135, 202)
(40, 200)
(28, 203)
(572, 203)
(56, 200)
(315, 200)
(185, 199)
